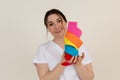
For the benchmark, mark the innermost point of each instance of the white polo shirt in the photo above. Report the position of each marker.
(51, 53)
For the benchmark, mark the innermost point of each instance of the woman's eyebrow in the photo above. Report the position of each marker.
(49, 22)
(58, 18)
(52, 21)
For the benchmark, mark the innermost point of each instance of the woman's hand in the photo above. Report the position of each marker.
(78, 59)
(64, 60)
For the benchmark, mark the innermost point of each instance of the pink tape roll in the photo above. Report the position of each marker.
(72, 27)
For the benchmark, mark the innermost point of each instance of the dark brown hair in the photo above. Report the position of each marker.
(53, 11)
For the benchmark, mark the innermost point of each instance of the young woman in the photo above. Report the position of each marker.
(50, 55)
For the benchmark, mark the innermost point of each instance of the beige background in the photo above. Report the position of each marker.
(22, 30)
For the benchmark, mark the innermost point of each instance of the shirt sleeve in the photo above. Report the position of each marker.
(40, 56)
(87, 58)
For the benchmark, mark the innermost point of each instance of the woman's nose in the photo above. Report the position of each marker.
(56, 25)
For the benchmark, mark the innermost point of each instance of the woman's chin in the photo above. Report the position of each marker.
(59, 36)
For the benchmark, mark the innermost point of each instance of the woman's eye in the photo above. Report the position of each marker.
(50, 24)
(60, 20)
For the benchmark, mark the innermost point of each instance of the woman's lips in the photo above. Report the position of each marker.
(58, 31)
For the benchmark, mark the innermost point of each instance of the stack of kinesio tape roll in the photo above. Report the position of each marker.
(72, 42)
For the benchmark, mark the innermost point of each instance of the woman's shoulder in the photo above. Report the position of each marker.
(45, 44)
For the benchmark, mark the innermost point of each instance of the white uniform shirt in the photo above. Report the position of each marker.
(51, 53)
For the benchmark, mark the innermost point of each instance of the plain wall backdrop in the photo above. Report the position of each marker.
(22, 31)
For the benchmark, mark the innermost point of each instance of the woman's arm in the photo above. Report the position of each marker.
(85, 72)
(45, 74)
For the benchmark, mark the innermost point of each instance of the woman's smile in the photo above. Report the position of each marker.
(58, 31)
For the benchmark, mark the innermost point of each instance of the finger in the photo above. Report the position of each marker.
(63, 57)
(75, 60)
(77, 57)
(80, 59)
(71, 60)
(83, 55)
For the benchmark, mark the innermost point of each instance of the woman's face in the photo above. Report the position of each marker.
(56, 26)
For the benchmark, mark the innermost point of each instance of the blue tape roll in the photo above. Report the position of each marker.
(71, 50)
